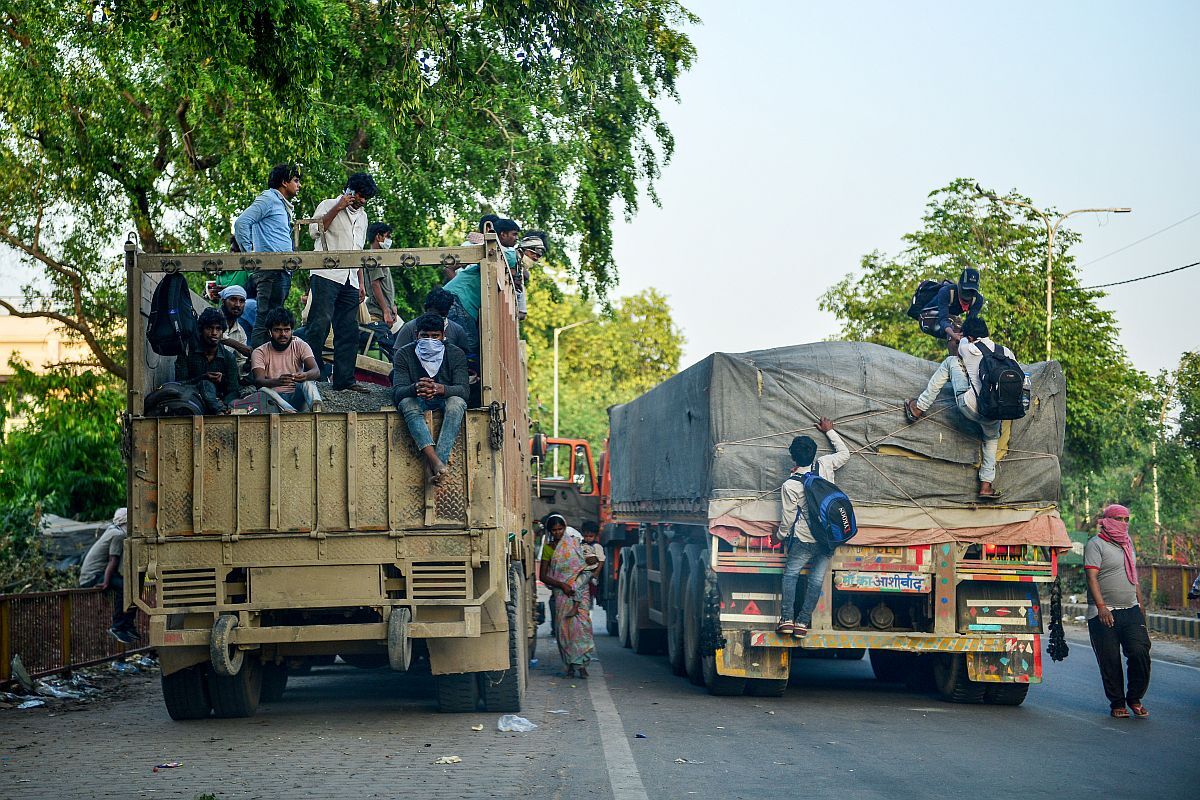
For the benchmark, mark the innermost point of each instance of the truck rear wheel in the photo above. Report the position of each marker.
(399, 644)
(623, 597)
(1005, 694)
(237, 695)
(693, 607)
(714, 681)
(891, 666)
(504, 690)
(675, 611)
(457, 693)
(274, 682)
(722, 685)
(950, 672)
(766, 687)
(185, 693)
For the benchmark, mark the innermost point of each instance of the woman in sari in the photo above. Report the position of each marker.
(568, 579)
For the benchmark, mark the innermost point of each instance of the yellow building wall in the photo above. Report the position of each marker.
(39, 342)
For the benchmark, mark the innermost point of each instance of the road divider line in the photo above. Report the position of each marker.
(623, 775)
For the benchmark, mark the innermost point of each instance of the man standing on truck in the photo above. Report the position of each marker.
(266, 227)
(286, 365)
(431, 375)
(337, 293)
(1115, 618)
(802, 547)
(962, 371)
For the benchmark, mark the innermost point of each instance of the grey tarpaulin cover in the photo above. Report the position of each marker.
(711, 444)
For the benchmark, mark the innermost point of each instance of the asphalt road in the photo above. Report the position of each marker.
(838, 733)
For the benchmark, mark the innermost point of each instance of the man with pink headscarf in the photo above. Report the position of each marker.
(1115, 618)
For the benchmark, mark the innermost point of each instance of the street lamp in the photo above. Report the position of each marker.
(1051, 230)
(558, 331)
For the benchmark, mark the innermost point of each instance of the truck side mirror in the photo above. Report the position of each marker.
(537, 446)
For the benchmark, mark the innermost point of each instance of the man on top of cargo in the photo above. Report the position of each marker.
(962, 371)
(266, 226)
(465, 284)
(285, 366)
(957, 302)
(802, 546)
(431, 375)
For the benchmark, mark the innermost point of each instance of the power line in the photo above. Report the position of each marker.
(1144, 238)
(1144, 277)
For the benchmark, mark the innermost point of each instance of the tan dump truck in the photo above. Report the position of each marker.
(938, 586)
(259, 541)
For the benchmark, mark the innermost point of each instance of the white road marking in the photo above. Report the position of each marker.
(623, 774)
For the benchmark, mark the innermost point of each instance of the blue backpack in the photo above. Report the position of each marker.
(830, 512)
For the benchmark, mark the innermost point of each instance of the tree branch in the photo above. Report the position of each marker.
(70, 273)
(80, 328)
(189, 148)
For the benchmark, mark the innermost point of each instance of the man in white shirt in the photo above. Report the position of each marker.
(336, 293)
(962, 371)
(802, 547)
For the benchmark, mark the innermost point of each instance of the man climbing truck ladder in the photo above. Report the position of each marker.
(938, 587)
(259, 541)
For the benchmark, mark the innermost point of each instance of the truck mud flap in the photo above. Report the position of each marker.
(740, 661)
(1020, 663)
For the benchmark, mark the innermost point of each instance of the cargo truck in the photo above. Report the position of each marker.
(262, 540)
(938, 586)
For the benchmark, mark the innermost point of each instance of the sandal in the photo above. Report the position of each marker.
(911, 412)
(1119, 713)
(1139, 710)
(785, 628)
(583, 673)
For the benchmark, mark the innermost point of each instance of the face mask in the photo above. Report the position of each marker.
(430, 349)
(386, 244)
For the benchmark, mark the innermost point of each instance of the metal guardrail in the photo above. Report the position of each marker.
(59, 631)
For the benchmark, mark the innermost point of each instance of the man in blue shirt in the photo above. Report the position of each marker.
(956, 302)
(266, 227)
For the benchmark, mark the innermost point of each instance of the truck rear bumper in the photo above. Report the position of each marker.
(911, 642)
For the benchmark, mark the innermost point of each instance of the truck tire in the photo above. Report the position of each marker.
(892, 666)
(274, 682)
(399, 643)
(237, 695)
(504, 690)
(457, 693)
(715, 682)
(950, 672)
(185, 693)
(225, 656)
(675, 611)
(693, 607)
(644, 641)
(1005, 694)
(623, 597)
(920, 675)
(766, 687)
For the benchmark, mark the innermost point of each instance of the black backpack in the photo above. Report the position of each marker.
(1002, 385)
(925, 294)
(172, 324)
(830, 512)
(174, 400)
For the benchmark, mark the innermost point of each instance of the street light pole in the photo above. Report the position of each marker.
(1051, 231)
(558, 331)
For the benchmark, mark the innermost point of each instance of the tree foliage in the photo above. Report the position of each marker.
(165, 119)
(1105, 418)
(619, 354)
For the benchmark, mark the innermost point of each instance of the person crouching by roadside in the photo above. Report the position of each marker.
(102, 569)
(431, 375)
(210, 366)
(285, 366)
(1115, 618)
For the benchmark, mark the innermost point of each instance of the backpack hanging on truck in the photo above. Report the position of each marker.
(830, 512)
(1003, 393)
(172, 324)
(922, 307)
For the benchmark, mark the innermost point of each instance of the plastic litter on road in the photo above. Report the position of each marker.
(32, 704)
(639, 736)
(557, 711)
(476, 727)
(511, 723)
(448, 760)
(168, 765)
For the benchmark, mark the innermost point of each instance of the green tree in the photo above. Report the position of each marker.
(164, 119)
(626, 350)
(1106, 412)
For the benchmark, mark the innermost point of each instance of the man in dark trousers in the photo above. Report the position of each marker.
(431, 375)
(266, 227)
(102, 568)
(1115, 618)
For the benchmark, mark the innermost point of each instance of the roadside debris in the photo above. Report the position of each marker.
(448, 760)
(639, 736)
(168, 765)
(687, 761)
(32, 704)
(557, 711)
(476, 728)
(511, 723)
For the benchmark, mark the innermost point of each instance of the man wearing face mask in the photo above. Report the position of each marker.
(431, 375)
(336, 293)
(381, 291)
(530, 249)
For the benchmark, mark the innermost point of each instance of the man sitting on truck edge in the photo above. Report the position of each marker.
(962, 371)
(431, 375)
(209, 365)
(802, 547)
(266, 226)
(285, 366)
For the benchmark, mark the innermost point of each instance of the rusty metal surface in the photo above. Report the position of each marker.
(58, 631)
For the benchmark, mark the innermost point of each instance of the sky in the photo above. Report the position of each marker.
(809, 134)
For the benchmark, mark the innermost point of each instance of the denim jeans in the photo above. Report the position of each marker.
(800, 554)
(303, 398)
(272, 287)
(335, 304)
(454, 409)
(469, 325)
(952, 370)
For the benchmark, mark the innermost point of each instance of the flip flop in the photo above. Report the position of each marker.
(1139, 710)
(1119, 713)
